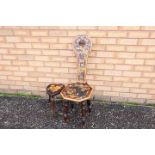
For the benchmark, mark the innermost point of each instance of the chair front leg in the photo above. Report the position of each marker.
(65, 110)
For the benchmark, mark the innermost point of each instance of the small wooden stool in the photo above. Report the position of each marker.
(52, 90)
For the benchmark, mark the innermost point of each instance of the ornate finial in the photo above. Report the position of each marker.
(83, 42)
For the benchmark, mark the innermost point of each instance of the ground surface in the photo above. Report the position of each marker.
(24, 112)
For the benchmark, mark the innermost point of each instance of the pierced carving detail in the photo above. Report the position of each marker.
(82, 46)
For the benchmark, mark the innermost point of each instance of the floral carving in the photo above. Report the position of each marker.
(82, 46)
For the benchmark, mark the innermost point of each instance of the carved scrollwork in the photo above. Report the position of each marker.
(82, 46)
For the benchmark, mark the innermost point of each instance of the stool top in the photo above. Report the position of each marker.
(54, 89)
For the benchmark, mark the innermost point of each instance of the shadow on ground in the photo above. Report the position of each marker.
(27, 113)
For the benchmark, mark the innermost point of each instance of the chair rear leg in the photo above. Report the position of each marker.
(72, 106)
(83, 113)
(89, 106)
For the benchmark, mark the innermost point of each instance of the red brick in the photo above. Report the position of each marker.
(39, 32)
(5, 32)
(117, 34)
(106, 41)
(138, 34)
(127, 41)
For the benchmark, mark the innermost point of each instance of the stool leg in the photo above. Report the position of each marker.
(53, 105)
(49, 99)
(89, 106)
(65, 111)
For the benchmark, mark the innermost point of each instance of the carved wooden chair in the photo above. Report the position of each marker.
(79, 92)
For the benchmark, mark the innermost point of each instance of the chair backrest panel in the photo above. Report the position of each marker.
(82, 47)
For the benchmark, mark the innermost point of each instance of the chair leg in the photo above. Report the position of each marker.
(72, 106)
(65, 111)
(89, 106)
(83, 112)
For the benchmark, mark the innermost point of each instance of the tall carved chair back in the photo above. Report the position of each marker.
(82, 47)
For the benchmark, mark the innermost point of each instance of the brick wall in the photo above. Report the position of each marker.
(121, 64)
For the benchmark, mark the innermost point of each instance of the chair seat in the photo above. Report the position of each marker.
(77, 92)
(54, 89)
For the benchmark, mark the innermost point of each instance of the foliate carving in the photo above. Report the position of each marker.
(82, 46)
